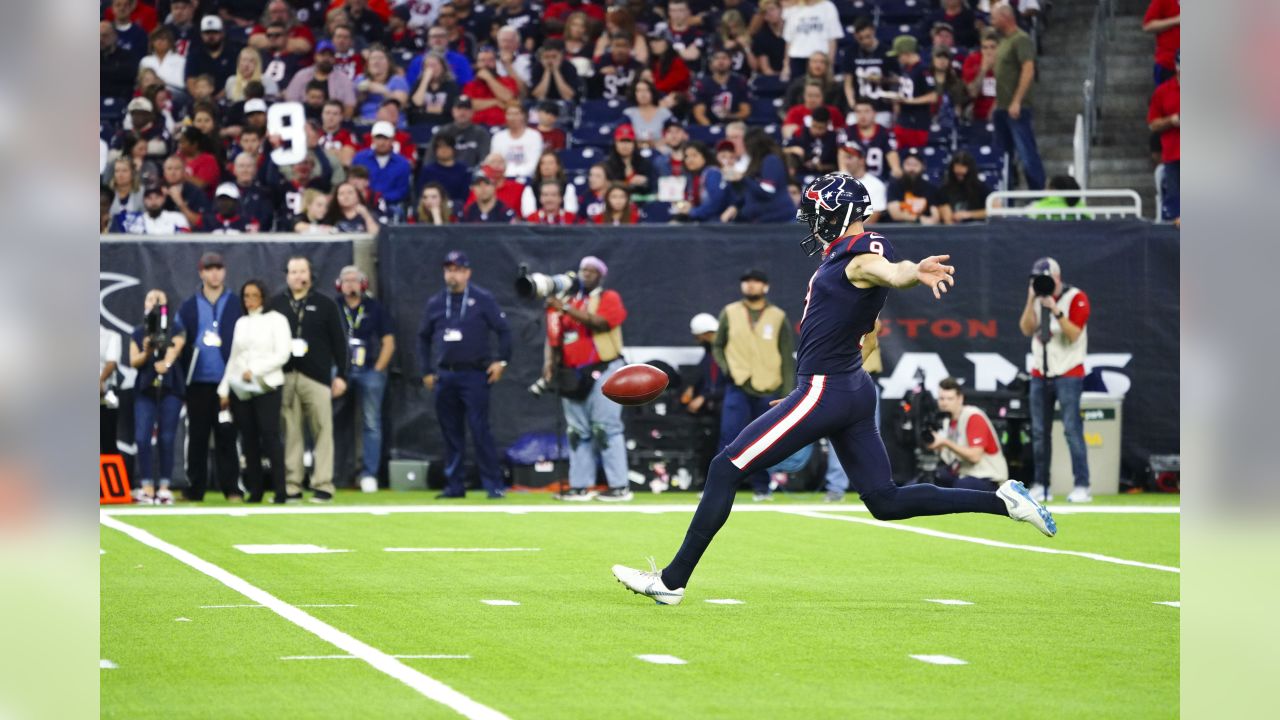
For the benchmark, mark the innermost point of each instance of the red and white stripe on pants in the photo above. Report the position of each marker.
(784, 425)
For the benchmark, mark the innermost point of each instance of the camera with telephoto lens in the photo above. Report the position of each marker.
(536, 285)
(156, 326)
(1042, 285)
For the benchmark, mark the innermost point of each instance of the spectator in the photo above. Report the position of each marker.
(251, 389)
(549, 169)
(225, 218)
(732, 37)
(131, 11)
(1058, 207)
(476, 18)
(818, 70)
(647, 118)
(248, 69)
(668, 70)
(288, 186)
(210, 317)
(182, 195)
(389, 173)
(867, 72)
(214, 57)
(704, 192)
(337, 85)
(169, 65)
(470, 142)
(402, 142)
(553, 137)
(916, 94)
(625, 164)
(346, 60)
(314, 216)
(315, 374)
(249, 115)
(685, 36)
(369, 25)
(490, 95)
(799, 115)
(453, 176)
(755, 345)
(348, 214)
(971, 455)
(115, 65)
(298, 37)
(371, 343)
(334, 137)
(201, 88)
(964, 23)
(942, 37)
(553, 77)
(486, 208)
(591, 204)
(583, 350)
(912, 199)
(963, 196)
(736, 133)
(437, 91)
(509, 190)
(518, 14)
(980, 76)
(434, 206)
(201, 167)
(379, 83)
(809, 26)
(182, 23)
(879, 149)
(279, 63)
(1015, 71)
(577, 37)
(512, 62)
(672, 143)
(204, 117)
(551, 207)
(126, 204)
(616, 72)
(618, 208)
(1164, 19)
(135, 150)
(1164, 117)
(619, 22)
(815, 147)
(155, 220)
(358, 176)
(145, 128)
(255, 204)
(457, 362)
(519, 144)
(953, 96)
(438, 42)
(157, 397)
(131, 36)
(767, 44)
(720, 96)
(763, 187)
(853, 163)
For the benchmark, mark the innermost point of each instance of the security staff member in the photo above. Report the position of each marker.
(457, 362)
(756, 344)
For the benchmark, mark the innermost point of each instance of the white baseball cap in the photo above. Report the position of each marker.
(703, 323)
(210, 23)
(227, 189)
(382, 128)
(140, 104)
(254, 105)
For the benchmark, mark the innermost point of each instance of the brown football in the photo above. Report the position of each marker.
(635, 384)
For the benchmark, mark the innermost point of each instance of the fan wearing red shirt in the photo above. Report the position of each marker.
(551, 210)
(141, 13)
(201, 167)
(489, 93)
(798, 116)
(968, 446)
(1164, 19)
(1165, 118)
(557, 12)
(510, 191)
(979, 75)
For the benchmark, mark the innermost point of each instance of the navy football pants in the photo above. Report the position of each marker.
(842, 409)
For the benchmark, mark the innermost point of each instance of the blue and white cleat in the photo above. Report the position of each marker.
(648, 583)
(1024, 508)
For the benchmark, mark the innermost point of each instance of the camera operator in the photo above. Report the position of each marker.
(584, 348)
(458, 364)
(154, 347)
(1054, 318)
(967, 444)
(707, 394)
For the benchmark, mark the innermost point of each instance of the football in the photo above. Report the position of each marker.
(635, 384)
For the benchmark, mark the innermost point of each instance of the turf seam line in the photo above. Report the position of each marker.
(984, 541)
(427, 686)
(524, 509)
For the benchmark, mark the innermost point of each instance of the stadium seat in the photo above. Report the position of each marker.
(601, 112)
(593, 134)
(581, 158)
(422, 133)
(850, 10)
(655, 212)
(764, 111)
(903, 11)
(886, 32)
(111, 110)
(579, 182)
(709, 135)
(935, 163)
(764, 86)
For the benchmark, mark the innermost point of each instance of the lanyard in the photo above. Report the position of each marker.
(300, 310)
(448, 303)
(353, 324)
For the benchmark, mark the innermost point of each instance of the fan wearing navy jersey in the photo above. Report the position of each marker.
(686, 38)
(816, 145)
(616, 72)
(878, 147)
(916, 94)
(720, 96)
(487, 208)
(834, 397)
(866, 70)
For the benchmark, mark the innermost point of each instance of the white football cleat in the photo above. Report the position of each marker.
(1025, 509)
(648, 583)
(1080, 495)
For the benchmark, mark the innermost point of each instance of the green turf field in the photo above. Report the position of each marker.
(831, 612)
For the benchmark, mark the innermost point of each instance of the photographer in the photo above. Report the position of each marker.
(967, 444)
(1054, 318)
(458, 364)
(154, 347)
(584, 347)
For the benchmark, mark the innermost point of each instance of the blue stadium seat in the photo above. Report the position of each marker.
(763, 86)
(764, 111)
(709, 135)
(579, 182)
(850, 10)
(655, 212)
(886, 32)
(581, 158)
(593, 134)
(601, 112)
(422, 133)
(903, 11)
(985, 154)
(111, 110)
(935, 163)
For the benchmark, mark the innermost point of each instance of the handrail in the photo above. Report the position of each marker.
(1095, 83)
(998, 207)
(1080, 154)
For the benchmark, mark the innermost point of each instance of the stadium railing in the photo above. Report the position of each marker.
(1017, 203)
(1095, 83)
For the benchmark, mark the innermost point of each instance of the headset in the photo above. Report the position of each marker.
(364, 279)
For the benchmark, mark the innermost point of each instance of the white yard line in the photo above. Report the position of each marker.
(428, 687)
(461, 550)
(160, 511)
(1170, 603)
(939, 660)
(502, 603)
(662, 659)
(216, 607)
(398, 657)
(725, 601)
(949, 602)
(984, 541)
(106, 664)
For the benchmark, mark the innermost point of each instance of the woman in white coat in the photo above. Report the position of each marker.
(251, 387)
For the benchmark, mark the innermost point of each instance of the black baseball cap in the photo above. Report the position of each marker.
(754, 274)
(457, 257)
(481, 177)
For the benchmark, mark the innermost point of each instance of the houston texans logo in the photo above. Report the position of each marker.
(825, 195)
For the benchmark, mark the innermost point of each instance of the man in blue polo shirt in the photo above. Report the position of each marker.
(371, 342)
(210, 317)
(457, 362)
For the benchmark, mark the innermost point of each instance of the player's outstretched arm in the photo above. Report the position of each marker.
(869, 269)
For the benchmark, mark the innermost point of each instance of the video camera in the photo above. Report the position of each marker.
(156, 326)
(536, 285)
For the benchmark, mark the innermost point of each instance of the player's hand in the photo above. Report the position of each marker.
(429, 382)
(933, 271)
(495, 372)
(339, 387)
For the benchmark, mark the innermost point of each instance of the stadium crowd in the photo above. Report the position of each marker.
(322, 116)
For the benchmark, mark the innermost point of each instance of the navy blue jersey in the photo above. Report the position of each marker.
(915, 82)
(837, 314)
(874, 148)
